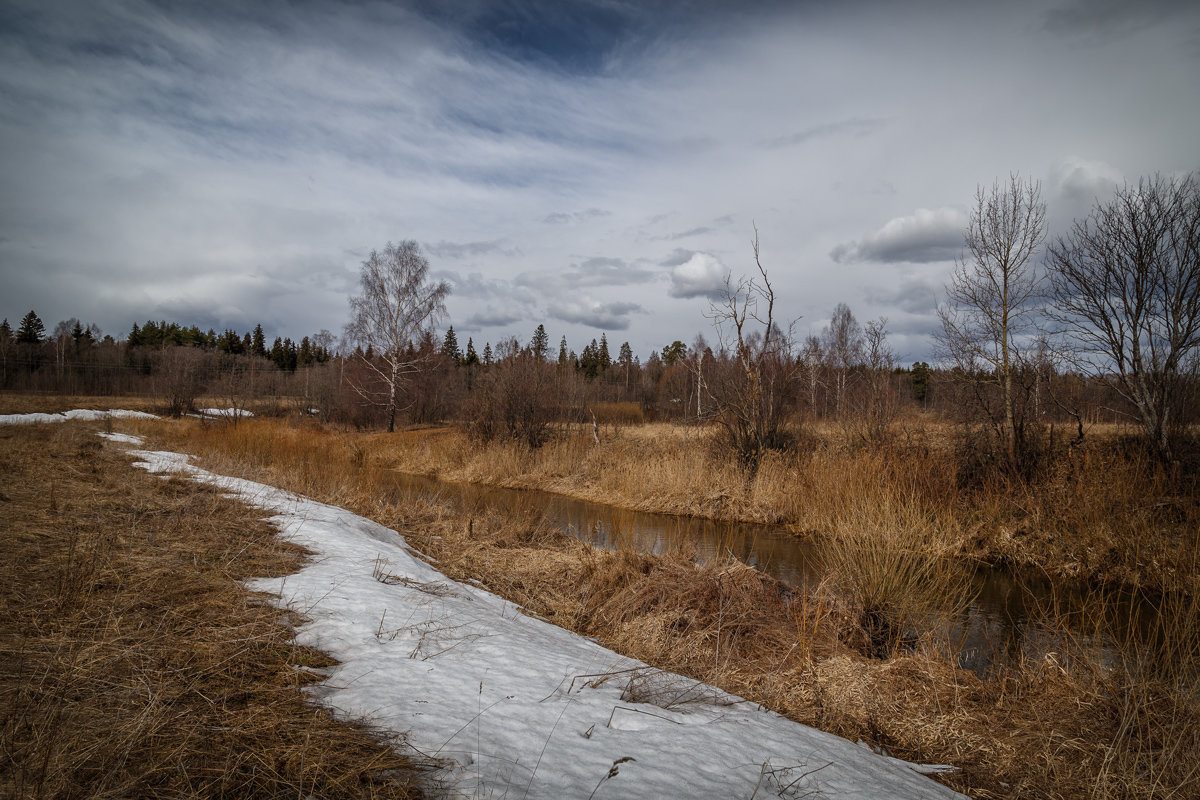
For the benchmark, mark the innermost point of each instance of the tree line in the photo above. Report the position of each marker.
(1100, 324)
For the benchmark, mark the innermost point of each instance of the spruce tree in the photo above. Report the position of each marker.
(539, 345)
(562, 353)
(450, 346)
(603, 359)
(471, 358)
(32, 329)
(487, 353)
(5, 331)
(258, 342)
(589, 360)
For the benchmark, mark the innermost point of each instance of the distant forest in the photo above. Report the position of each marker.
(846, 375)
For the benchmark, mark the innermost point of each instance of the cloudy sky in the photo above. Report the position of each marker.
(595, 166)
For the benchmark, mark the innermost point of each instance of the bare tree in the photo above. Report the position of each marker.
(1126, 289)
(812, 362)
(880, 401)
(843, 344)
(750, 403)
(992, 302)
(396, 304)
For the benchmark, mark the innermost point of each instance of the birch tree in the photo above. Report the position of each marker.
(396, 305)
(990, 314)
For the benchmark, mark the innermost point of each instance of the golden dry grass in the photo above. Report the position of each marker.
(1074, 721)
(1098, 512)
(24, 403)
(132, 661)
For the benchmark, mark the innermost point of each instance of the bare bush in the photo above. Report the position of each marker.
(750, 396)
(514, 399)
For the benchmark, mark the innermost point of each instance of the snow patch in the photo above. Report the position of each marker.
(123, 438)
(518, 707)
(225, 412)
(76, 414)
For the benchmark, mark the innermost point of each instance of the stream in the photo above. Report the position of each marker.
(1000, 624)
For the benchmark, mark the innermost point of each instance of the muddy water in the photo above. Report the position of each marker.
(999, 625)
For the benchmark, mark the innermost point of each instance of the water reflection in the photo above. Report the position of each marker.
(999, 625)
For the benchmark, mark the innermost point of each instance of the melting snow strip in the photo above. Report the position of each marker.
(516, 707)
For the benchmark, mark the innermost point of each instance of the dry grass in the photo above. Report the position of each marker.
(1074, 721)
(22, 403)
(133, 663)
(1098, 512)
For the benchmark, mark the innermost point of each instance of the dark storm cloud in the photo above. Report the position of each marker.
(678, 256)
(592, 272)
(247, 156)
(1112, 17)
(693, 232)
(490, 318)
(922, 237)
(914, 297)
(561, 218)
(607, 316)
(845, 128)
(470, 249)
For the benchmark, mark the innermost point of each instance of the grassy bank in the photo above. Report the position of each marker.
(1076, 720)
(133, 663)
(1098, 511)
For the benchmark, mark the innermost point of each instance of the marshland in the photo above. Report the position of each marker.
(1101, 699)
(996, 562)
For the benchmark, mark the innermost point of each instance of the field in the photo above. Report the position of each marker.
(1077, 720)
(133, 664)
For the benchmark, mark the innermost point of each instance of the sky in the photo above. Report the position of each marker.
(596, 166)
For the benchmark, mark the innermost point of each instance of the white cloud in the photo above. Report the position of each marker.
(607, 316)
(702, 275)
(924, 236)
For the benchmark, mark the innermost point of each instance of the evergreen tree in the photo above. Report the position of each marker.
(289, 355)
(603, 359)
(539, 345)
(920, 381)
(5, 331)
(673, 352)
(450, 346)
(135, 336)
(589, 360)
(258, 342)
(32, 329)
(471, 358)
(247, 343)
(487, 354)
(305, 356)
(562, 353)
(626, 361)
(83, 337)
